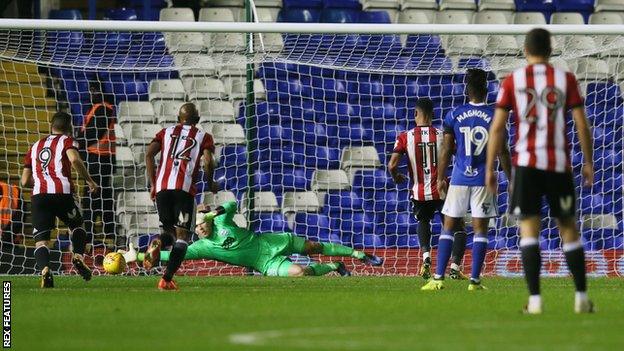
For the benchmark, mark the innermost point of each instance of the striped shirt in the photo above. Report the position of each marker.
(50, 165)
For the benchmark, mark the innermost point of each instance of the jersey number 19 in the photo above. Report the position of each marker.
(477, 136)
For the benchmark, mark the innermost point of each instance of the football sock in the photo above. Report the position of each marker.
(427, 256)
(445, 246)
(42, 257)
(79, 240)
(175, 259)
(331, 249)
(479, 248)
(459, 248)
(424, 235)
(532, 262)
(575, 257)
(319, 269)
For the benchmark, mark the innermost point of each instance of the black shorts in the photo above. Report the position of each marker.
(47, 207)
(176, 208)
(425, 210)
(530, 185)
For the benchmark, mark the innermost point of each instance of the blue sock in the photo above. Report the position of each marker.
(479, 248)
(445, 247)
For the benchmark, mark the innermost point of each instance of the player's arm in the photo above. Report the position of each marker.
(505, 160)
(209, 167)
(150, 164)
(27, 178)
(393, 168)
(227, 208)
(494, 147)
(585, 139)
(444, 158)
(78, 165)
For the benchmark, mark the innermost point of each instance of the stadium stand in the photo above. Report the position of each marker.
(330, 155)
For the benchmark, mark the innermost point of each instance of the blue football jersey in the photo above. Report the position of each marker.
(470, 125)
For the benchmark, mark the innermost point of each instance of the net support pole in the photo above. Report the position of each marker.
(250, 111)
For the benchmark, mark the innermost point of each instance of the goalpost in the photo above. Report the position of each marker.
(305, 117)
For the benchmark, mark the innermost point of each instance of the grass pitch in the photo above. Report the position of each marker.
(332, 313)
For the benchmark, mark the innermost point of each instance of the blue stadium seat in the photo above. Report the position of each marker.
(375, 17)
(367, 241)
(344, 4)
(269, 223)
(361, 92)
(299, 15)
(310, 133)
(423, 45)
(386, 201)
(285, 179)
(273, 135)
(342, 202)
(327, 89)
(111, 42)
(233, 155)
(535, 6)
(121, 14)
(354, 134)
(353, 223)
(373, 179)
(586, 7)
(65, 14)
(339, 15)
(384, 47)
(277, 158)
(401, 223)
(131, 90)
(60, 42)
(287, 4)
(333, 112)
(318, 157)
(312, 226)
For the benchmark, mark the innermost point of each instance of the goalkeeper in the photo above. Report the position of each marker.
(222, 240)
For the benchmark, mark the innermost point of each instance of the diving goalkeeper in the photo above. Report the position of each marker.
(222, 240)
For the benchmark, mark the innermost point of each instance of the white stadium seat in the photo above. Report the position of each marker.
(453, 17)
(567, 18)
(600, 221)
(216, 111)
(580, 43)
(120, 136)
(167, 111)
(225, 42)
(166, 89)
(359, 157)
(529, 18)
(500, 5)
(231, 65)
(490, 17)
(419, 4)
(417, 16)
(606, 18)
(380, 4)
(214, 200)
(591, 69)
(226, 133)
(124, 157)
(269, 42)
(205, 88)
(217, 14)
(141, 134)
(502, 65)
(268, 14)
(135, 112)
(195, 65)
(143, 222)
(135, 202)
(501, 45)
(236, 88)
(465, 45)
(457, 5)
(185, 42)
(608, 5)
(264, 201)
(301, 201)
(177, 14)
(335, 179)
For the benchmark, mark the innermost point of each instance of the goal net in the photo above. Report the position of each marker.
(304, 122)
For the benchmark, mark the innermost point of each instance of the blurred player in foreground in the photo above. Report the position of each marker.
(421, 145)
(47, 168)
(466, 130)
(222, 240)
(540, 96)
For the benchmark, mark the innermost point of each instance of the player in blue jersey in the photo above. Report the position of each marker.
(466, 128)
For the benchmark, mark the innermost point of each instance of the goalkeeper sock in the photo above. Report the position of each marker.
(331, 249)
(175, 259)
(424, 235)
(319, 269)
(479, 248)
(445, 246)
(459, 248)
(78, 240)
(532, 262)
(575, 257)
(42, 257)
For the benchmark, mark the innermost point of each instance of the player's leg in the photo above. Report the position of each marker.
(482, 207)
(42, 222)
(69, 213)
(424, 211)
(526, 199)
(459, 248)
(561, 200)
(184, 208)
(306, 247)
(455, 208)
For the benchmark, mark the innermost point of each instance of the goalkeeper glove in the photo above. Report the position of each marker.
(210, 216)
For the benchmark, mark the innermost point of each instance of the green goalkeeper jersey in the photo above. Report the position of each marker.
(229, 243)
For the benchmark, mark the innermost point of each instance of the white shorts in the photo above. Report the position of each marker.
(477, 199)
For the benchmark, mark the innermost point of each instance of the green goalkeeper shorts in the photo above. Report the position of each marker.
(274, 251)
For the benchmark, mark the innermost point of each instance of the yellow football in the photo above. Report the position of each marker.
(114, 263)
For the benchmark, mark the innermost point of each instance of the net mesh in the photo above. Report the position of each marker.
(326, 112)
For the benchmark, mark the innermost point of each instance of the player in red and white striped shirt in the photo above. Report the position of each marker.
(540, 96)
(182, 147)
(47, 167)
(421, 145)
